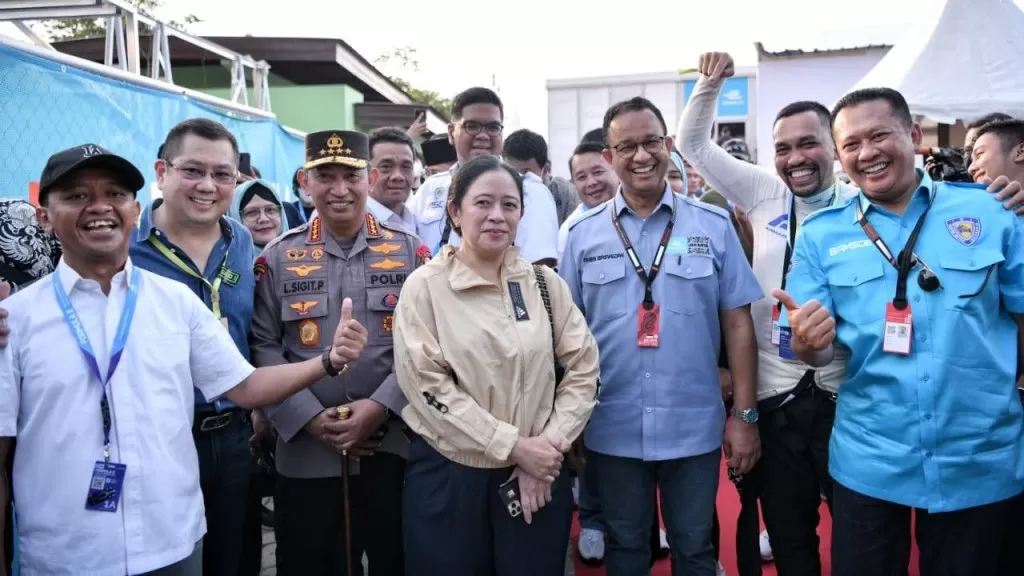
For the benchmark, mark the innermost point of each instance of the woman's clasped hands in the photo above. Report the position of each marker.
(538, 463)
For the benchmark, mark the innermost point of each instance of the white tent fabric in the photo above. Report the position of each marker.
(961, 62)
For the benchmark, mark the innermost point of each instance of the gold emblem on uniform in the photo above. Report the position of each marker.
(388, 323)
(314, 236)
(335, 147)
(387, 234)
(387, 264)
(295, 253)
(303, 308)
(309, 333)
(303, 270)
(385, 249)
(372, 230)
(317, 253)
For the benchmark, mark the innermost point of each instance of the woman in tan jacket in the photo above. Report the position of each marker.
(475, 353)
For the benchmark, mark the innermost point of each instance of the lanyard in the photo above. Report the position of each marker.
(905, 260)
(791, 230)
(120, 340)
(213, 286)
(646, 277)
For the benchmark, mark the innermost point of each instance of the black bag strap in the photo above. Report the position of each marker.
(545, 294)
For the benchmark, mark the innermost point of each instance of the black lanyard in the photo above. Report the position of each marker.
(646, 277)
(905, 260)
(791, 231)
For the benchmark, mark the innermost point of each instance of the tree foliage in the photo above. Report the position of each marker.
(58, 30)
(404, 59)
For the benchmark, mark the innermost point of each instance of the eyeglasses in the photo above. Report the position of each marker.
(195, 173)
(271, 212)
(473, 128)
(651, 145)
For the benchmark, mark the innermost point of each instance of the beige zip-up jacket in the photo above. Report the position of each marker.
(476, 363)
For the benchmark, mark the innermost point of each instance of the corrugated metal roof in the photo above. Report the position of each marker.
(826, 41)
(764, 54)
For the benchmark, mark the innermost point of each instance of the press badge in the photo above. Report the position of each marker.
(648, 331)
(786, 343)
(898, 330)
(775, 325)
(105, 487)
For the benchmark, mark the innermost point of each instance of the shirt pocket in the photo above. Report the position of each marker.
(604, 289)
(859, 291)
(380, 309)
(689, 282)
(305, 320)
(971, 273)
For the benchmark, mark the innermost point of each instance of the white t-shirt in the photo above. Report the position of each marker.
(537, 237)
(50, 401)
(764, 196)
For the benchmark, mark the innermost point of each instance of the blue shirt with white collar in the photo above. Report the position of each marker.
(658, 403)
(233, 252)
(941, 428)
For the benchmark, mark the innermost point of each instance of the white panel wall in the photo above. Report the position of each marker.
(625, 92)
(594, 102)
(665, 96)
(563, 128)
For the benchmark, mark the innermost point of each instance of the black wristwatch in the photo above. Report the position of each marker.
(329, 366)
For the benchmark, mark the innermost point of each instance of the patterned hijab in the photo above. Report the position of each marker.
(27, 252)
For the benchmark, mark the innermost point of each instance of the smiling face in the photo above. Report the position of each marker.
(594, 179)
(804, 153)
(477, 132)
(92, 214)
(877, 150)
(638, 150)
(263, 219)
(488, 215)
(198, 183)
(339, 194)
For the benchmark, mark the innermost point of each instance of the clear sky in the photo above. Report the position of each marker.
(467, 42)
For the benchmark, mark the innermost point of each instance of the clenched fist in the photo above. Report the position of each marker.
(716, 65)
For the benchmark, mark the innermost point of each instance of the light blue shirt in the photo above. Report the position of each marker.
(658, 403)
(939, 429)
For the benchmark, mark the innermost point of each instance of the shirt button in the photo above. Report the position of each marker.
(928, 454)
(601, 276)
(688, 271)
(647, 375)
(854, 277)
(927, 416)
(917, 298)
(649, 410)
(924, 378)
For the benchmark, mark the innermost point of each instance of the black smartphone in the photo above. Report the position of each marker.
(245, 164)
(419, 115)
(509, 494)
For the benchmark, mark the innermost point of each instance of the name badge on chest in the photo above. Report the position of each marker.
(898, 330)
(105, 487)
(648, 330)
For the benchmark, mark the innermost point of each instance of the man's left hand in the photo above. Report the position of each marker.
(366, 418)
(742, 445)
(1010, 193)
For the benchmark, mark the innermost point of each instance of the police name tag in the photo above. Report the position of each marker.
(105, 487)
(898, 330)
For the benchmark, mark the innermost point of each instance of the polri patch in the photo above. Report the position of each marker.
(515, 291)
(698, 246)
(964, 229)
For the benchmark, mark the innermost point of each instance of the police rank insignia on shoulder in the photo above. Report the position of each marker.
(423, 254)
(964, 229)
(372, 229)
(259, 268)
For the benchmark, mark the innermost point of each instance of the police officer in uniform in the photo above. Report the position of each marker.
(302, 278)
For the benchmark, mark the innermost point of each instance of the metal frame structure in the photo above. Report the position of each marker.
(122, 42)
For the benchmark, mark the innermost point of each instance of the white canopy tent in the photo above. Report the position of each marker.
(961, 62)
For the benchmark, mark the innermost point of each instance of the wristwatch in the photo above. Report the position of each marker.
(750, 415)
(329, 366)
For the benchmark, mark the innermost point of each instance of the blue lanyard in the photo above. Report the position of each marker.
(120, 340)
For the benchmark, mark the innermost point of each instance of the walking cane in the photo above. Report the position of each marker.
(343, 413)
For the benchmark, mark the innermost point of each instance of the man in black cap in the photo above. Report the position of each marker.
(343, 251)
(438, 154)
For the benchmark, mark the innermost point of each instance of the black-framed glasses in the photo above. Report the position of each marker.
(651, 145)
(221, 176)
(255, 213)
(473, 128)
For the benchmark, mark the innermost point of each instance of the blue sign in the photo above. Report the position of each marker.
(733, 100)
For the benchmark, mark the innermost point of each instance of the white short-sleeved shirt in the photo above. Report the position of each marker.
(50, 401)
(537, 237)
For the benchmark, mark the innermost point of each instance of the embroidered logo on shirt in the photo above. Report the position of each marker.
(230, 277)
(779, 225)
(317, 253)
(388, 323)
(385, 248)
(295, 253)
(698, 246)
(303, 308)
(309, 333)
(387, 234)
(303, 270)
(964, 229)
(855, 245)
(387, 264)
(515, 291)
(390, 300)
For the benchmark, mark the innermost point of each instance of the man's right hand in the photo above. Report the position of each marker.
(538, 457)
(716, 65)
(812, 326)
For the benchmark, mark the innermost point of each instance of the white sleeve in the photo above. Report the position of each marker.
(217, 365)
(745, 185)
(10, 387)
(563, 235)
(537, 238)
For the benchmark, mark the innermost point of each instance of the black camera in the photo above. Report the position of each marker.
(946, 164)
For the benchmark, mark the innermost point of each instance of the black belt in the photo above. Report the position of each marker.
(772, 404)
(206, 422)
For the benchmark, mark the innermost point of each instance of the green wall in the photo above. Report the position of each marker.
(304, 108)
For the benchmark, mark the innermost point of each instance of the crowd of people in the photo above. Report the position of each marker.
(428, 377)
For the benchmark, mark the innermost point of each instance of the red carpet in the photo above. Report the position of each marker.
(728, 511)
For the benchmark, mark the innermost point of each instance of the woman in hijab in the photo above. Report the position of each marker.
(257, 206)
(676, 175)
(27, 253)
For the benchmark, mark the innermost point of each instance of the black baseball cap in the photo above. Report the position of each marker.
(66, 162)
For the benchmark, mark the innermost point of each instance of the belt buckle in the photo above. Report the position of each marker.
(211, 423)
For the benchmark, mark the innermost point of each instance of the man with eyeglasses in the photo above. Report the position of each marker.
(185, 236)
(476, 130)
(928, 417)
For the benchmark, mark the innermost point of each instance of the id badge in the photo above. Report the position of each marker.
(786, 343)
(648, 330)
(105, 487)
(775, 326)
(898, 330)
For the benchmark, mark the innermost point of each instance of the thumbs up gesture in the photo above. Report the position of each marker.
(812, 325)
(349, 338)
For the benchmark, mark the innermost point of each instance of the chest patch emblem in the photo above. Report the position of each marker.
(964, 229)
(303, 308)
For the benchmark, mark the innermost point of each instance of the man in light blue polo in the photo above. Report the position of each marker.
(922, 281)
(659, 277)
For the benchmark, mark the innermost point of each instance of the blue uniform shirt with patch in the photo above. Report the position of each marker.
(939, 429)
(658, 403)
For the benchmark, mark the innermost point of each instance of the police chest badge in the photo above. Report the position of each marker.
(964, 229)
(309, 333)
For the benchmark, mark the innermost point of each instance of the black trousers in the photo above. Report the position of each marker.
(261, 485)
(872, 536)
(748, 525)
(793, 474)
(309, 521)
(456, 524)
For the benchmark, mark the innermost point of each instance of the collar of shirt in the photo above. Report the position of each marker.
(667, 200)
(462, 277)
(385, 214)
(925, 186)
